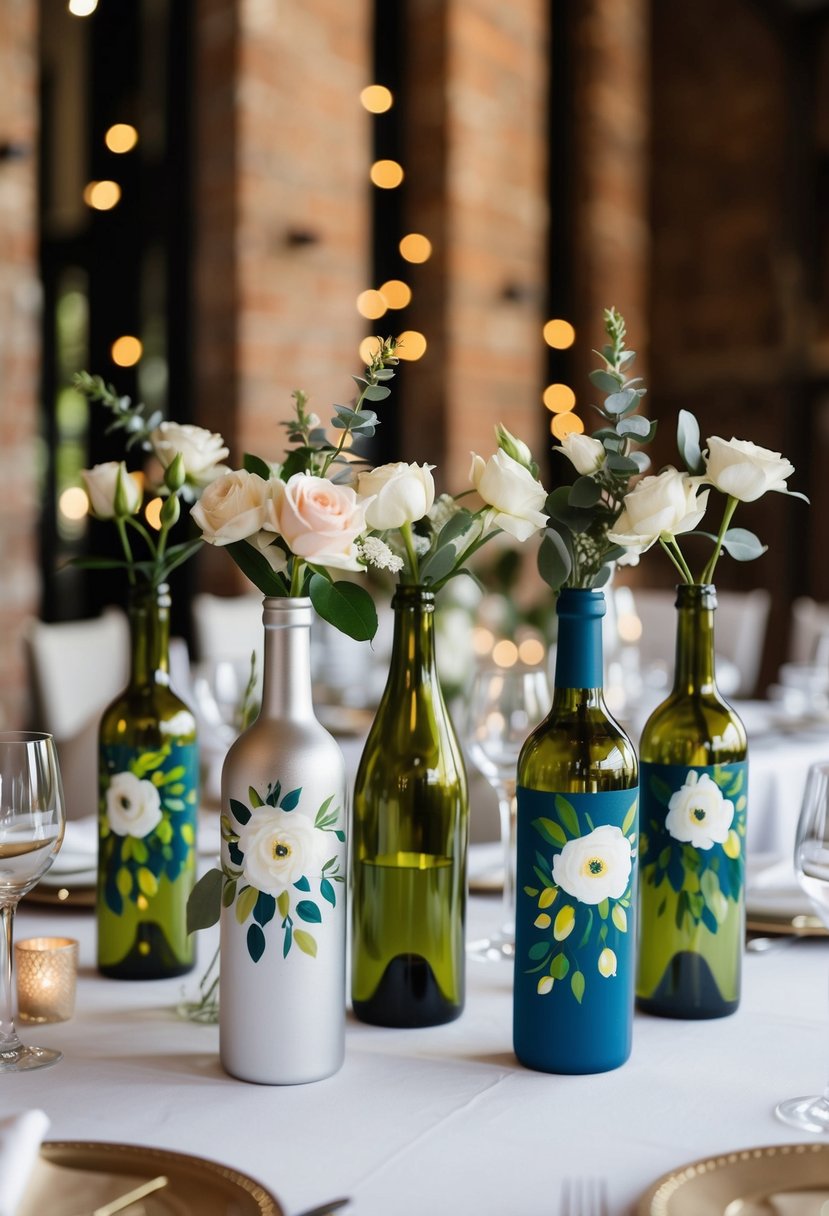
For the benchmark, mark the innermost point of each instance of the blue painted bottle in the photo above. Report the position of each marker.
(576, 865)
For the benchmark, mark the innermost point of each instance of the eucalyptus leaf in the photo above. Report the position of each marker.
(376, 392)
(641, 460)
(439, 564)
(619, 403)
(346, 606)
(742, 545)
(636, 425)
(554, 560)
(558, 508)
(455, 526)
(608, 382)
(687, 439)
(621, 464)
(603, 577)
(585, 492)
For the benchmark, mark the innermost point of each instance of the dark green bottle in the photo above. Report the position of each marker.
(148, 777)
(575, 876)
(409, 840)
(693, 822)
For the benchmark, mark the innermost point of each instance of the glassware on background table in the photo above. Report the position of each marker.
(811, 864)
(504, 705)
(32, 821)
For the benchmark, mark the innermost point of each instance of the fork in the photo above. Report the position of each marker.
(583, 1197)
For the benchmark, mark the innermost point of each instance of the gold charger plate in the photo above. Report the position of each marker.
(77, 1176)
(802, 925)
(66, 895)
(749, 1182)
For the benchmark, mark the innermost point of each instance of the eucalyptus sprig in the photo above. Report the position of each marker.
(135, 420)
(576, 550)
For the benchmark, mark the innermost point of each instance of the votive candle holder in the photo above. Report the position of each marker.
(47, 972)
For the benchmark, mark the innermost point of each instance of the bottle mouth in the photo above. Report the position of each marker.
(699, 595)
(581, 602)
(280, 612)
(412, 595)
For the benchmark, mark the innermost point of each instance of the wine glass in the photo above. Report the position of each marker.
(504, 706)
(32, 821)
(811, 863)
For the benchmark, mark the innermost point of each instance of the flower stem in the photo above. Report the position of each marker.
(682, 562)
(408, 541)
(125, 544)
(676, 558)
(730, 508)
(296, 577)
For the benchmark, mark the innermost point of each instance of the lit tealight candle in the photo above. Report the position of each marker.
(47, 970)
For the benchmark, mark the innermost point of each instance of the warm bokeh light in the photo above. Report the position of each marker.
(629, 627)
(566, 424)
(126, 350)
(396, 293)
(559, 334)
(415, 247)
(559, 398)
(483, 640)
(376, 98)
(386, 174)
(505, 653)
(368, 349)
(371, 304)
(73, 503)
(411, 345)
(531, 652)
(121, 137)
(82, 8)
(102, 196)
(152, 513)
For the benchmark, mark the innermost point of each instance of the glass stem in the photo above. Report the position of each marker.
(8, 1035)
(507, 808)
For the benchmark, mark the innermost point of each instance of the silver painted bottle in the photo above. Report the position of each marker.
(283, 920)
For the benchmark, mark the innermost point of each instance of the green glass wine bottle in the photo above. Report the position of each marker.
(409, 840)
(575, 875)
(148, 776)
(692, 848)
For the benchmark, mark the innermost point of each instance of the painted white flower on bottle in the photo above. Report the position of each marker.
(133, 805)
(594, 867)
(698, 814)
(280, 847)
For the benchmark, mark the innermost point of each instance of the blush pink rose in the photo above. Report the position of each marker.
(318, 520)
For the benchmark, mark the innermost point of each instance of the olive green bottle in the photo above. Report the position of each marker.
(409, 840)
(575, 871)
(148, 776)
(693, 823)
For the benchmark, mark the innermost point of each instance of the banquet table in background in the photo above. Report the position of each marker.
(442, 1120)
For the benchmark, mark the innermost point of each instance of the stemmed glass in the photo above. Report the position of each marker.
(504, 706)
(32, 821)
(811, 863)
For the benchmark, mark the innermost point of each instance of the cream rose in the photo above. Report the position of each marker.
(698, 813)
(743, 470)
(279, 848)
(133, 806)
(660, 506)
(101, 483)
(511, 490)
(318, 520)
(201, 450)
(585, 454)
(594, 867)
(233, 507)
(402, 493)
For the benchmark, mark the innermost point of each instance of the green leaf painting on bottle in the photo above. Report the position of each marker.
(580, 899)
(147, 821)
(280, 869)
(693, 842)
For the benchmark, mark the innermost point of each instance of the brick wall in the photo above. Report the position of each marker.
(19, 580)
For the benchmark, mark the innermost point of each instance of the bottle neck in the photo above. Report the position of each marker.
(694, 669)
(413, 648)
(286, 676)
(149, 617)
(579, 673)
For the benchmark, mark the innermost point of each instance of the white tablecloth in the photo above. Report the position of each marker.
(439, 1121)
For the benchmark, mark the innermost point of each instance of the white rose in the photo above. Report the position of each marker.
(201, 450)
(101, 483)
(279, 848)
(698, 813)
(403, 493)
(661, 506)
(585, 454)
(743, 470)
(594, 867)
(233, 507)
(133, 806)
(511, 490)
(318, 520)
